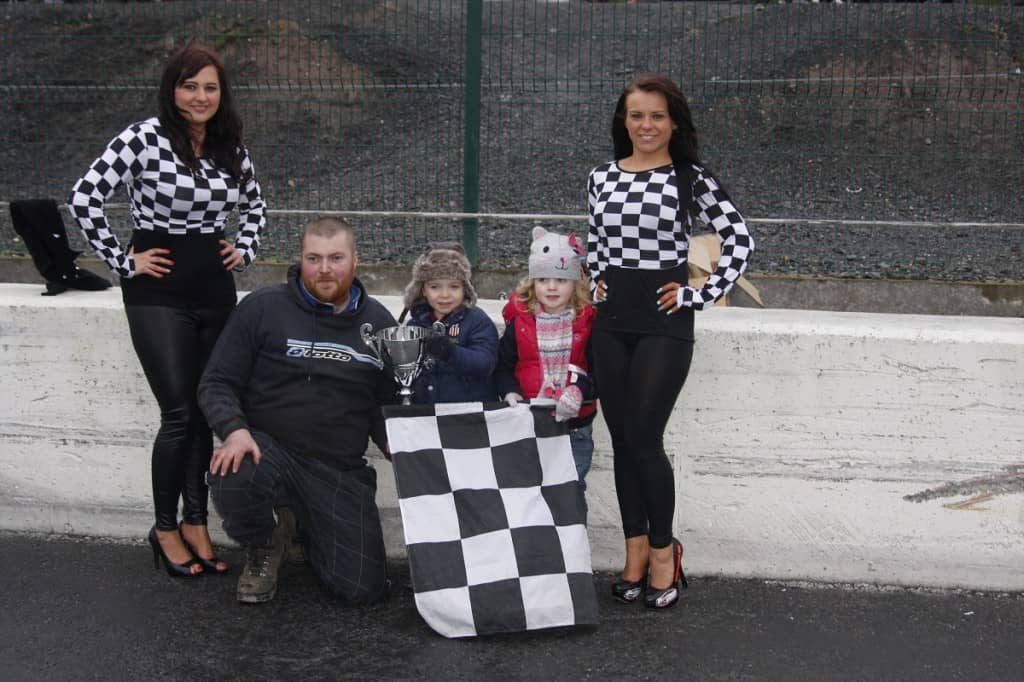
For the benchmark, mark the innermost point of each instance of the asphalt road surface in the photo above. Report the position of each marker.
(73, 608)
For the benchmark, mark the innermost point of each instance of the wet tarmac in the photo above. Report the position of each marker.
(77, 609)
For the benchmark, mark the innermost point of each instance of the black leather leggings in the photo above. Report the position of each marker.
(638, 380)
(173, 345)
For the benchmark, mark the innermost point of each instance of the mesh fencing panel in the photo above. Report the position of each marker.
(812, 113)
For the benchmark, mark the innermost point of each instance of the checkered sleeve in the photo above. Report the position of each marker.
(597, 259)
(251, 213)
(122, 160)
(718, 211)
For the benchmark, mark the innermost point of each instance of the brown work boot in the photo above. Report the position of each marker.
(258, 582)
(294, 552)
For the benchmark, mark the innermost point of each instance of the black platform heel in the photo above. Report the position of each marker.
(629, 592)
(207, 564)
(174, 570)
(663, 599)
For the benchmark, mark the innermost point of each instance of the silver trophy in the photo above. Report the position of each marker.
(402, 349)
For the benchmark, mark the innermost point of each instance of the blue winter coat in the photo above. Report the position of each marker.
(463, 365)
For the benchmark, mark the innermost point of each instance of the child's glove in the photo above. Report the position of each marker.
(569, 403)
(513, 398)
(440, 347)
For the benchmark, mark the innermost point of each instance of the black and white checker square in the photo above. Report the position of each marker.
(493, 518)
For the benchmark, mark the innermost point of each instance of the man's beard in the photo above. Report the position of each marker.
(328, 289)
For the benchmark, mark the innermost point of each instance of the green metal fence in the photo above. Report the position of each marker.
(828, 113)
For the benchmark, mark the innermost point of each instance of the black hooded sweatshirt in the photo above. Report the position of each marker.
(301, 374)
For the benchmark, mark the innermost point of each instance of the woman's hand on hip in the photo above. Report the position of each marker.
(231, 256)
(668, 297)
(152, 262)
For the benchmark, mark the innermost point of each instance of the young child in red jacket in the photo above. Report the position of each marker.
(545, 350)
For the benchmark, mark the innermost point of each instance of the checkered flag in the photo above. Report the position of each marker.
(493, 517)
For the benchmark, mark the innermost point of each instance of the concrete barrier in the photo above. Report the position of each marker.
(849, 447)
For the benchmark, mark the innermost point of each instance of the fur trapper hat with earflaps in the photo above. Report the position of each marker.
(445, 260)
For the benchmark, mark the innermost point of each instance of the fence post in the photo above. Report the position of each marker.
(471, 131)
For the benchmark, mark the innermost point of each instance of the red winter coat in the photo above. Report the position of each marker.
(519, 367)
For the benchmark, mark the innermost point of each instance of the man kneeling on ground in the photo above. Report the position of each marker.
(293, 393)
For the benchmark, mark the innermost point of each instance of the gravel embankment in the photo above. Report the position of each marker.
(807, 111)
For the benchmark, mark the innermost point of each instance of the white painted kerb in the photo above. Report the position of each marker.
(796, 440)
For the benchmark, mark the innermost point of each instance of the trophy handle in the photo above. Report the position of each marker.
(366, 332)
(439, 328)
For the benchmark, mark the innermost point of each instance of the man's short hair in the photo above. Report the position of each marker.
(327, 227)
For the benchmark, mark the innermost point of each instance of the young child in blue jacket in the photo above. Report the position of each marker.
(463, 358)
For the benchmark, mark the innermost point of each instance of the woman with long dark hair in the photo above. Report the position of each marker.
(185, 171)
(641, 210)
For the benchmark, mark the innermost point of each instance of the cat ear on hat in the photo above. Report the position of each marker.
(574, 242)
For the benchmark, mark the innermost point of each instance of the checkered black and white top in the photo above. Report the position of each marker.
(636, 223)
(164, 195)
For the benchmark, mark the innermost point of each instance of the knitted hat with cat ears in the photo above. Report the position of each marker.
(555, 255)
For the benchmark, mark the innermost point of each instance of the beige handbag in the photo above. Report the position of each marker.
(705, 249)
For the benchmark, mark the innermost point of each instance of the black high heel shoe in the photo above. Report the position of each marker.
(174, 570)
(629, 592)
(663, 599)
(207, 564)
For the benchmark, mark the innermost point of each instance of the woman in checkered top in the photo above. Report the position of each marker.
(185, 171)
(640, 209)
